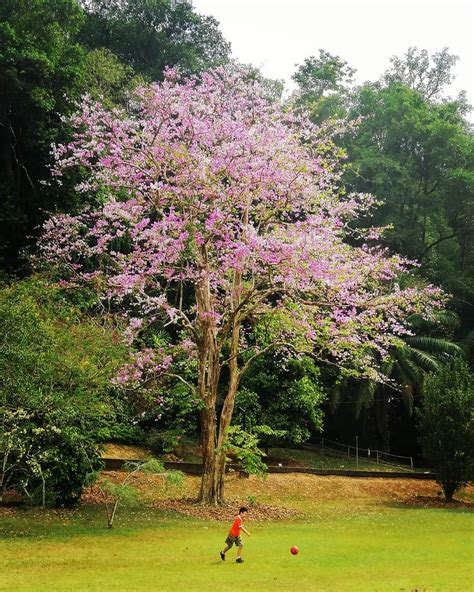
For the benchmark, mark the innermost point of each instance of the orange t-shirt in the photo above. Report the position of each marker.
(236, 526)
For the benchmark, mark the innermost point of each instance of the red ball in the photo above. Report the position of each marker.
(294, 550)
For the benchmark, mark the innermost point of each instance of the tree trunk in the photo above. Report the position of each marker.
(449, 496)
(449, 488)
(208, 381)
(6, 167)
(213, 436)
(214, 440)
(210, 487)
(383, 418)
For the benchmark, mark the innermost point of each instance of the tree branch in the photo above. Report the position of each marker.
(437, 242)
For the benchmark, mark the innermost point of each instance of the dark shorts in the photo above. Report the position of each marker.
(234, 540)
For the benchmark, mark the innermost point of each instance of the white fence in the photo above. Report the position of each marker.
(368, 454)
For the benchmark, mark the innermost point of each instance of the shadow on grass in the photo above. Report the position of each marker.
(425, 502)
(37, 523)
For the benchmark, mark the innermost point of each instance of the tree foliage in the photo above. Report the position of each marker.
(417, 157)
(428, 75)
(323, 85)
(54, 51)
(39, 67)
(447, 425)
(55, 379)
(151, 35)
(282, 395)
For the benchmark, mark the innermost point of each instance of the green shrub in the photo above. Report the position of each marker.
(125, 494)
(244, 447)
(446, 424)
(55, 394)
(47, 452)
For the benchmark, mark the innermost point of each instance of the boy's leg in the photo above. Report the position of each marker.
(239, 553)
(228, 545)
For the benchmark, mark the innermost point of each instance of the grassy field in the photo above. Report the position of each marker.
(354, 535)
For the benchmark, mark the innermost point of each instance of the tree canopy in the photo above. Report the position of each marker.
(220, 213)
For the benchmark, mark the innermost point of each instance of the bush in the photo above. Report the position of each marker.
(48, 453)
(244, 447)
(56, 364)
(447, 425)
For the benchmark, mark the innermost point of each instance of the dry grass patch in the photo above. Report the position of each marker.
(285, 496)
(226, 512)
(125, 451)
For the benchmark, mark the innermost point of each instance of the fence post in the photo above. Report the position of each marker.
(357, 452)
(348, 452)
(322, 443)
(411, 462)
(377, 456)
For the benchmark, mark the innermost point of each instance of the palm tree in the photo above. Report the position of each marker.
(407, 368)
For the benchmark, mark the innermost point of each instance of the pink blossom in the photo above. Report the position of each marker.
(211, 190)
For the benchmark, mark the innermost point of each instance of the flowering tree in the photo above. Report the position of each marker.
(219, 211)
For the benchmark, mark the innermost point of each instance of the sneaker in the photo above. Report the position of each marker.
(222, 554)
(239, 560)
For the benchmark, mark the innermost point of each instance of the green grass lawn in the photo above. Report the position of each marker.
(343, 547)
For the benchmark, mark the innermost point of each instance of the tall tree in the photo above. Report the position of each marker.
(417, 156)
(428, 75)
(51, 53)
(39, 66)
(323, 85)
(150, 35)
(222, 214)
(414, 150)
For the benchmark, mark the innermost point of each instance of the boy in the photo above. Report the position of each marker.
(234, 536)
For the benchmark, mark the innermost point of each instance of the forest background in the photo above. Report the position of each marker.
(412, 148)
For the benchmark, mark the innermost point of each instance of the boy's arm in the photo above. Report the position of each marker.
(245, 530)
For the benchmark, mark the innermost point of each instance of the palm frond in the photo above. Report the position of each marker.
(448, 319)
(408, 371)
(434, 345)
(364, 396)
(409, 375)
(426, 361)
(418, 375)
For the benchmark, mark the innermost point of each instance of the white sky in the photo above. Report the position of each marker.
(276, 35)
